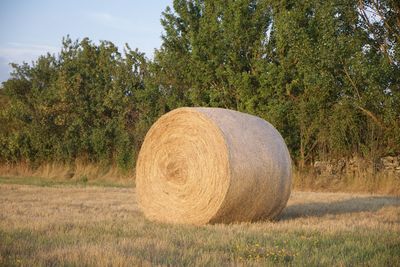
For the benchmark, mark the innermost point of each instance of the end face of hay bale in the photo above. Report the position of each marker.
(182, 169)
(211, 165)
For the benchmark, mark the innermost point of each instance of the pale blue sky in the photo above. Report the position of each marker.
(31, 28)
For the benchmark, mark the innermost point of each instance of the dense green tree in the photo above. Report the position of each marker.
(79, 104)
(210, 52)
(320, 71)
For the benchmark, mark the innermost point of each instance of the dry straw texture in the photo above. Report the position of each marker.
(212, 165)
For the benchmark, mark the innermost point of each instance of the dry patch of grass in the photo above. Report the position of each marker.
(99, 226)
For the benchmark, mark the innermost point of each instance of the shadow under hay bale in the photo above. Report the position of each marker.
(340, 207)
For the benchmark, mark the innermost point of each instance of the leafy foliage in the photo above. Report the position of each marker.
(82, 103)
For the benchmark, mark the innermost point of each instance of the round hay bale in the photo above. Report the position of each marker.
(212, 165)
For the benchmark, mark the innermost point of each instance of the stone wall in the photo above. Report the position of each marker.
(389, 165)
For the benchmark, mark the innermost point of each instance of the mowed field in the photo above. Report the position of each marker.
(77, 225)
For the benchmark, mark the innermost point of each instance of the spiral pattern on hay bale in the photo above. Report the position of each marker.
(212, 165)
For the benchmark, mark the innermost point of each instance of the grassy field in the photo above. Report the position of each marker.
(58, 224)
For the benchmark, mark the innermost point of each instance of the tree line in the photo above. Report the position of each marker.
(326, 74)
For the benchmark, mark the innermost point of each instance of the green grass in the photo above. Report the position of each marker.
(188, 246)
(82, 181)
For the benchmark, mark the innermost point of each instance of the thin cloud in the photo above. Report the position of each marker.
(13, 52)
(35, 47)
(105, 17)
(110, 20)
(119, 23)
(17, 52)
